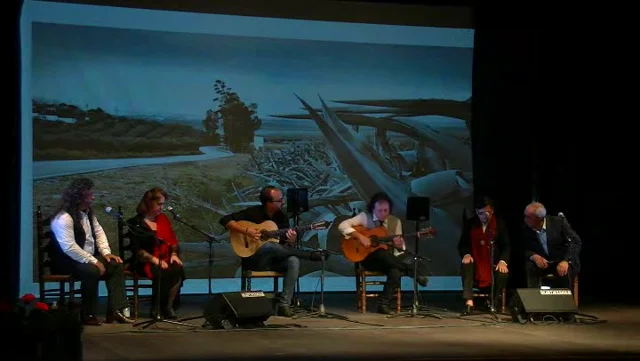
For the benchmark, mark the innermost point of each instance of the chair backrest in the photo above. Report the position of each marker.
(43, 239)
(124, 242)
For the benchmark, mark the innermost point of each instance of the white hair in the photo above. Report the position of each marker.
(536, 209)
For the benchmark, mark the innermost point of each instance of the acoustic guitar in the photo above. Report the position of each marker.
(246, 246)
(355, 252)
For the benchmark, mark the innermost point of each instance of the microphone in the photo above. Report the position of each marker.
(172, 211)
(560, 214)
(113, 212)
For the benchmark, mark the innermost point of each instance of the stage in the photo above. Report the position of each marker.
(373, 336)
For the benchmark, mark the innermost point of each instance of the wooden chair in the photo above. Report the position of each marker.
(43, 237)
(574, 286)
(247, 275)
(361, 288)
(486, 294)
(124, 250)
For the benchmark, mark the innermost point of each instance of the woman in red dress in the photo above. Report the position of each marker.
(481, 234)
(155, 247)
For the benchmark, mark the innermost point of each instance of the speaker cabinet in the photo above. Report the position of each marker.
(247, 309)
(531, 304)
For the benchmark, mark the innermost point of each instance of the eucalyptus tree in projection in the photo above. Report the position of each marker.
(240, 121)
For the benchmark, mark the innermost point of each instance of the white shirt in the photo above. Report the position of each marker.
(62, 228)
(346, 228)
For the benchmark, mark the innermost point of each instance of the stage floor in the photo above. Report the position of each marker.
(372, 336)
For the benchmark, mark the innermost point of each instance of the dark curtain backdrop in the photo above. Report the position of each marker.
(548, 124)
(530, 139)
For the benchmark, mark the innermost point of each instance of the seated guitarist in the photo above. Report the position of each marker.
(272, 256)
(395, 262)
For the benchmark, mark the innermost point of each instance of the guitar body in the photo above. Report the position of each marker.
(245, 246)
(355, 252)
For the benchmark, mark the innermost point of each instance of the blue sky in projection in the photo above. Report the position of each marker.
(137, 72)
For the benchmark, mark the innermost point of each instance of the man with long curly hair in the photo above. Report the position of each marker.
(393, 262)
(80, 248)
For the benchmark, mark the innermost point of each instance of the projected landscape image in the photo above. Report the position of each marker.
(212, 119)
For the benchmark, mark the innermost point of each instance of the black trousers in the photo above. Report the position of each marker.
(394, 267)
(468, 272)
(89, 276)
(165, 283)
(535, 275)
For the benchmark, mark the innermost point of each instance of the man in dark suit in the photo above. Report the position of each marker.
(481, 234)
(551, 247)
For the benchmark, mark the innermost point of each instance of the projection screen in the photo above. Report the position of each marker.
(212, 107)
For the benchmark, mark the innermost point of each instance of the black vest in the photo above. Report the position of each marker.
(57, 255)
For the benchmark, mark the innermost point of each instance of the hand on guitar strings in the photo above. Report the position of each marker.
(253, 233)
(364, 240)
(398, 242)
(292, 235)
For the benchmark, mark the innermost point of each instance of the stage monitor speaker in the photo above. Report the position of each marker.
(297, 200)
(246, 309)
(418, 208)
(530, 304)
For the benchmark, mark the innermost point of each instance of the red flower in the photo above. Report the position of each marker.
(28, 298)
(42, 306)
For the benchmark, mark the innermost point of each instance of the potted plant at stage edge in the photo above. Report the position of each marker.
(36, 330)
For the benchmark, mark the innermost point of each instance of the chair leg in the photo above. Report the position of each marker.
(72, 293)
(358, 292)
(136, 306)
(63, 291)
(504, 301)
(42, 291)
(575, 290)
(275, 285)
(363, 294)
(398, 300)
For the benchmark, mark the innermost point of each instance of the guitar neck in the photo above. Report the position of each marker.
(281, 232)
(389, 239)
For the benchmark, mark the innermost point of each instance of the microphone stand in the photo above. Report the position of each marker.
(569, 245)
(492, 308)
(296, 299)
(210, 240)
(417, 310)
(159, 318)
(321, 312)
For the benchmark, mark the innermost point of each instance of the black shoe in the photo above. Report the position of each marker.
(91, 320)
(384, 309)
(468, 309)
(285, 311)
(170, 314)
(119, 316)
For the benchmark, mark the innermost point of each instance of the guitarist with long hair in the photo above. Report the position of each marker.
(272, 256)
(394, 262)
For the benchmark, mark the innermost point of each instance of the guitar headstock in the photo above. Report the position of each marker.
(427, 232)
(319, 225)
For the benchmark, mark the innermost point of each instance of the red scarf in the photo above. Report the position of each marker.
(481, 251)
(164, 231)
